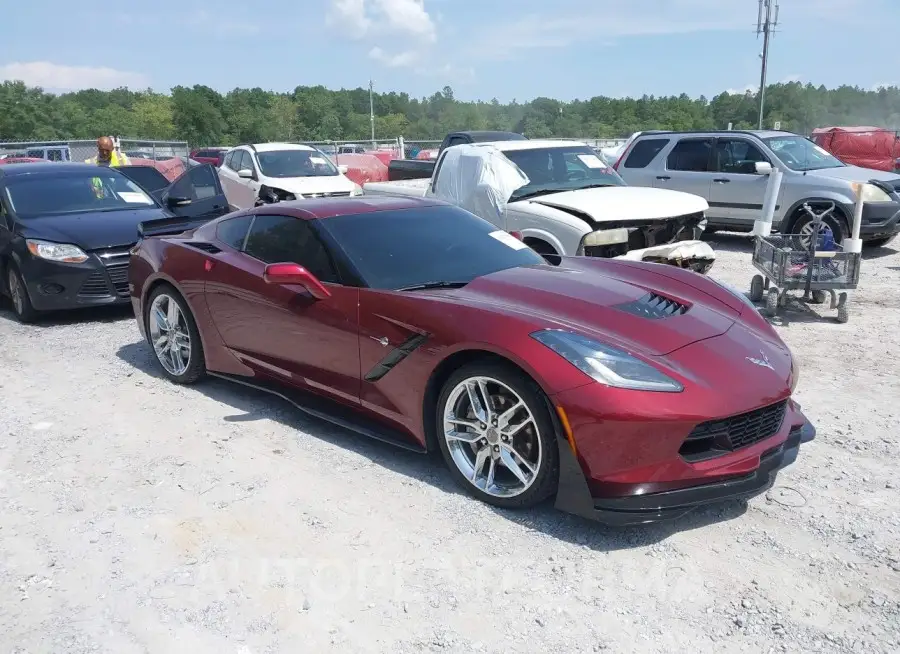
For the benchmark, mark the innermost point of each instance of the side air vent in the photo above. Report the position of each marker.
(206, 247)
(654, 307)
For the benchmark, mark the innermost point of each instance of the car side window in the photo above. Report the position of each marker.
(229, 158)
(197, 184)
(691, 155)
(737, 156)
(644, 152)
(5, 222)
(283, 239)
(456, 140)
(233, 232)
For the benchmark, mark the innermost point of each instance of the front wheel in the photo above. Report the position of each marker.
(173, 335)
(831, 225)
(18, 295)
(497, 436)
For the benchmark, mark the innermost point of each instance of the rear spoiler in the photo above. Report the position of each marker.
(169, 226)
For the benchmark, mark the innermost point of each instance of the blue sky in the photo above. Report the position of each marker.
(482, 48)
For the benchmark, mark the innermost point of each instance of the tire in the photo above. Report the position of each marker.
(536, 439)
(772, 302)
(756, 288)
(843, 315)
(544, 249)
(20, 301)
(172, 363)
(879, 242)
(835, 222)
(819, 297)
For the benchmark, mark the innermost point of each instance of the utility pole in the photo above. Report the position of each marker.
(766, 21)
(372, 109)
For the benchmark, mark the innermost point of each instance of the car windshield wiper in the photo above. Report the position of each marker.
(427, 285)
(543, 191)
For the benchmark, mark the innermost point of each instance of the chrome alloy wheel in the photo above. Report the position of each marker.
(169, 334)
(16, 292)
(806, 232)
(492, 437)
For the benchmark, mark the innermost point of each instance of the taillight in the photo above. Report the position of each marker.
(518, 235)
(623, 155)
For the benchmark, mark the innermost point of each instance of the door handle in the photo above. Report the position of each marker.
(663, 177)
(721, 180)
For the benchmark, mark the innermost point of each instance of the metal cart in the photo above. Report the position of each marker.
(813, 262)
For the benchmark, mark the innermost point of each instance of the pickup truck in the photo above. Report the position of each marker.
(561, 199)
(401, 169)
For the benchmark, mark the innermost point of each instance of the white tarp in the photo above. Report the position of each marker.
(480, 179)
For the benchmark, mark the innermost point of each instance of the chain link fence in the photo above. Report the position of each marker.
(79, 150)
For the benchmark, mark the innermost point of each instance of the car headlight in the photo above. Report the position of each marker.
(605, 364)
(62, 252)
(606, 237)
(870, 193)
(357, 190)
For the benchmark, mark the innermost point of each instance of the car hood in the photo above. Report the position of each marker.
(311, 185)
(857, 174)
(91, 231)
(625, 203)
(603, 305)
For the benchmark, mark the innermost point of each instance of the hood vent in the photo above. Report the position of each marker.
(654, 307)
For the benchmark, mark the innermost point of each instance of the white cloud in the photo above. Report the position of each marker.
(750, 88)
(378, 18)
(405, 59)
(52, 76)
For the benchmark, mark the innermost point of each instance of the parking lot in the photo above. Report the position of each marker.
(141, 516)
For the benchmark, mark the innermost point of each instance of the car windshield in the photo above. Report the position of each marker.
(295, 163)
(93, 189)
(801, 154)
(411, 247)
(565, 168)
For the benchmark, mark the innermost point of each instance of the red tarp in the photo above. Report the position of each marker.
(363, 168)
(427, 155)
(868, 147)
(170, 168)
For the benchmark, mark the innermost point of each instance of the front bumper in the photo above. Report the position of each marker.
(54, 286)
(880, 219)
(643, 485)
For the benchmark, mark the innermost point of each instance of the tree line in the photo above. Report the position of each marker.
(203, 116)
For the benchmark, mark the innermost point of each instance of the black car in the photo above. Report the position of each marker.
(66, 229)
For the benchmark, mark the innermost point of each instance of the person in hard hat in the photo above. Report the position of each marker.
(107, 155)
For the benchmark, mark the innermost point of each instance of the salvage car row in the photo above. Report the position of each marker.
(629, 391)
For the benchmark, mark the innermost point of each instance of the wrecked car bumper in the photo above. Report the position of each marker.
(693, 255)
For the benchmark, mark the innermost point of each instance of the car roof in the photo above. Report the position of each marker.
(759, 133)
(318, 208)
(270, 147)
(536, 144)
(43, 167)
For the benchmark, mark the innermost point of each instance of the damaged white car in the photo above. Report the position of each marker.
(562, 199)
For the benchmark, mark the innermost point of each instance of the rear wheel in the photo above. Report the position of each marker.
(756, 288)
(173, 335)
(834, 224)
(18, 295)
(497, 436)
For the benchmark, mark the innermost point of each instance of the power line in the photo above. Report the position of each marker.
(766, 21)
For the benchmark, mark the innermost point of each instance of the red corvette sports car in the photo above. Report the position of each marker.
(630, 391)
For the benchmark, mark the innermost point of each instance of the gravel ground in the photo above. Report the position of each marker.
(138, 516)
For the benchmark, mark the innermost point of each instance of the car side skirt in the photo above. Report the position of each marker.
(327, 410)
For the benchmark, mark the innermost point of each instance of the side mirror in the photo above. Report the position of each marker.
(291, 273)
(763, 168)
(245, 173)
(343, 168)
(177, 201)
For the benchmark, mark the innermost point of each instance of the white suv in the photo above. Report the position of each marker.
(287, 170)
